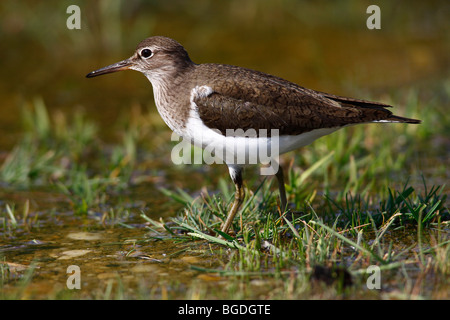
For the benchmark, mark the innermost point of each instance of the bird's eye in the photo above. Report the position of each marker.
(146, 53)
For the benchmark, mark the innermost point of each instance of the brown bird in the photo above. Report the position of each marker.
(243, 116)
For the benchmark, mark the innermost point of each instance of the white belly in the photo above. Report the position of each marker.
(245, 149)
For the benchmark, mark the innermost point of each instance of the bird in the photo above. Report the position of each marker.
(234, 109)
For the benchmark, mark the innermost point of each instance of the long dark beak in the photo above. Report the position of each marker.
(119, 66)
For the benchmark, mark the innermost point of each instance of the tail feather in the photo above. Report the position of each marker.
(393, 118)
(371, 109)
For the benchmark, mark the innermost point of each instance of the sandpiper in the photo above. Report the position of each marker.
(205, 102)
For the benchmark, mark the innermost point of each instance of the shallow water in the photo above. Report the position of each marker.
(325, 47)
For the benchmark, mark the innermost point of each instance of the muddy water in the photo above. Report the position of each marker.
(325, 49)
(41, 251)
(111, 245)
(104, 258)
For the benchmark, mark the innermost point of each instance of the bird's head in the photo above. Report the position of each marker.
(155, 57)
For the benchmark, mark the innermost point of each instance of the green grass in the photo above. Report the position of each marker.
(353, 224)
(270, 245)
(353, 206)
(65, 154)
(365, 195)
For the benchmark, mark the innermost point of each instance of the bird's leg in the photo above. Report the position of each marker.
(280, 178)
(236, 176)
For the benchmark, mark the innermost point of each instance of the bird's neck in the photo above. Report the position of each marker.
(168, 86)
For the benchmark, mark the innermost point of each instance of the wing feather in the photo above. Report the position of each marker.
(246, 99)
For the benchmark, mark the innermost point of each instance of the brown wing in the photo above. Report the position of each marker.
(246, 99)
